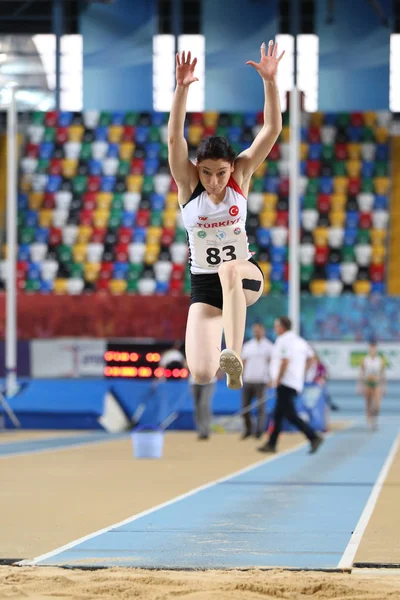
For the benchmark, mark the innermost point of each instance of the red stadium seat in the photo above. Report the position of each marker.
(175, 286)
(89, 200)
(377, 272)
(313, 168)
(357, 119)
(354, 186)
(178, 271)
(32, 150)
(102, 284)
(365, 221)
(94, 183)
(121, 252)
(22, 268)
(282, 218)
(51, 118)
(284, 187)
(62, 135)
(55, 236)
(341, 151)
(173, 187)
(86, 217)
(98, 235)
(275, 153)
(128, 133)
(314, 135)
(167, 236)
(321, 255)
(324, 203)
(124, 235)
(196, 118)
(143, 217)
(260, 118)
(49, 200)
(286, 272)
(208, 131)
(55, 167)
(106, 270)
(137, 166)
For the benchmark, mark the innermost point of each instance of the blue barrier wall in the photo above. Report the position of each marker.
(69, 404)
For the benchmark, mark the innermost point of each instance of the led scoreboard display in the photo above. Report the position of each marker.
(139, 361)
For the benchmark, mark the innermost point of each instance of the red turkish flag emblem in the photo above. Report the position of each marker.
(234, 211)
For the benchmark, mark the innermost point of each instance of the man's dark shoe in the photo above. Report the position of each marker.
(267, 448)
(315, 444)
(246, 435)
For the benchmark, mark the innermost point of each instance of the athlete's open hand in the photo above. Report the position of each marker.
(185, 69)
(268, 65)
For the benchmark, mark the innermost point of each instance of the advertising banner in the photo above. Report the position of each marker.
(67, 357)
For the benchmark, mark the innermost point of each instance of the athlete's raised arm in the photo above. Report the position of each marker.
(183, 171)
(251, 158)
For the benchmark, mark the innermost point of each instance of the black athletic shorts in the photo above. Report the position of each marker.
(207, 287)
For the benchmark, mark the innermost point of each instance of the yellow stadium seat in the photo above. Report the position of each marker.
(169, 218)
(60, 286)
(25, 183)
(340, 184)
(320, 236)
(46, 217)
(115, 133)
(378, 236)
(270, 201)
(210, 118)
(370, 118)
(126, 150)
(75, 133)
(354, 151)
(84, 234)
(79, 253)
(318, 287)
(261, 170)
(104, 200)
(303, 151)
(195, 134)
(117, 286)
(338, 201)
(353, 168)
(134, 183)
(101, 217)
(378, 254)
(267, 287)
(362, 287)
(4, 252)
(265, 268)
(69, 167)
(35, 200)
(268, 218)
(337, 218)
(171, 200)
(151, 253)
(381, 135)
(317, 119)
(285, 134)
(153, 235)
(381, 185)
(91, 271)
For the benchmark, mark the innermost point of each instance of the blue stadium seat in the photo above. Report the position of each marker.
(352, 219)
(368, 169)
(46, 287)
(157, 119)
(304, 134)
(46, 150)
(377, 287)
(142, 134)
(381, 203)
(108, 183)
(140, 235)
(326, 185)
(303, 167)
(333, 271)
(263, 237)
(95, 167)
(314, 151)
(350, 236)
(277, 271)
(34, 271)
(278, 254)
(249, 119)
(117, 118)
(234, 133)
(24, 252)
(42, 235)
(113, 151)
(53, 183)
(354, 133)
(65, 118)
(101, 133)
(128, 218)
(120, 270)
(153, 149)
(382, 152)
(162, 287)
(272, 185)
(157, 201)
(330, 119)
(22, 201)
(151, 166)
(31, 218)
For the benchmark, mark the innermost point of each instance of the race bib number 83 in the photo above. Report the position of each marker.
(215, 246)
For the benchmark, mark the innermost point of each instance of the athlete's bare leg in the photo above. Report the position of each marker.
(203, 341)
(376, 405)
(235, 302)
(369, 405)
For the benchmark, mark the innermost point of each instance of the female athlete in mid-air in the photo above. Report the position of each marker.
(212, 197)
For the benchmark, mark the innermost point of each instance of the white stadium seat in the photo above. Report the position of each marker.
(348, 272)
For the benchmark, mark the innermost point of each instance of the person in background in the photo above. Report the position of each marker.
(291, 356)
(202, 394)
(173, 358)
(256, 355)
(320, 377)
(371, 383)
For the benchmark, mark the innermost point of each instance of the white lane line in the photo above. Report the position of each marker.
(71, 446)
(206, 486)
(346, 562)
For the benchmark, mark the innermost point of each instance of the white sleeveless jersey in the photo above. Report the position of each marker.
(216, 232)
(373, 365)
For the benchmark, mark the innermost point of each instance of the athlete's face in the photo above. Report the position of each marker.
(214, 175)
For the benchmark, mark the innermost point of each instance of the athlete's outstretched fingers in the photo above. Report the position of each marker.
(178, 60)
(262, 49)
(280, 56)
(194, 63)
(189, 56)
(183, 56)
(270, 47)
(275, 50)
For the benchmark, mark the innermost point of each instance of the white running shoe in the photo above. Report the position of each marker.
(231, 364)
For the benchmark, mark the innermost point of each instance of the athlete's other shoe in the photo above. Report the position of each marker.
(315, 444)
(231, 364)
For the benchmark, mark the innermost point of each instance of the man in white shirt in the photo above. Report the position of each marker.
(291, 357)
(256, 355)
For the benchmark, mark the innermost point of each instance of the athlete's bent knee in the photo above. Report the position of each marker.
(201, 376)
(227, 273)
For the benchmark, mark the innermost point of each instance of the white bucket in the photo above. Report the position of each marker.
(148, 443)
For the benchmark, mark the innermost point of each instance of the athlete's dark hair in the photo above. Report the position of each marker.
(285, 322)
(214, 148)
